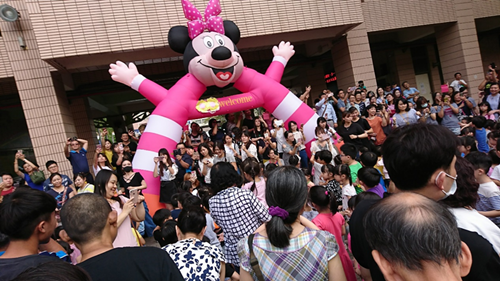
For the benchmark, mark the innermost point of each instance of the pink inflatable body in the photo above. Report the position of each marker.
(176, 106)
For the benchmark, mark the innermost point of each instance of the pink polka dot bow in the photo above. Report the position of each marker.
(197, 24)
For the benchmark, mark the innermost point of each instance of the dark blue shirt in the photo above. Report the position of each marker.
(482, 143)
(182, 171)
(32, 184)
(79, 161)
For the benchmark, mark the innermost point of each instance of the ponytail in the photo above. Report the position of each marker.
(343, 169)
(253, 169)
(279, 230)
(286, 193)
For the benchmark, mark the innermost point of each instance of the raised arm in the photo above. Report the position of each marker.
(282, 54)
(129, 75)
(66, 148)
(85, 143)
(16, 167)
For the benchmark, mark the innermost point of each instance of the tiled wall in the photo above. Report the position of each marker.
(45, 107)
(78, 27)
(353, 60)
(5, 68)
(490, 50)
(405, 66)
(486, 8)
(435, 79)
(394, 14)
(459, 48)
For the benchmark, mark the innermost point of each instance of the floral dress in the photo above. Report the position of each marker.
(196, 260)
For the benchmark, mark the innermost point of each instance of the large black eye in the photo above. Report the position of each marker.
(219, 40)
(208, 42)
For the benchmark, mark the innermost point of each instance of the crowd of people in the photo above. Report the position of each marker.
(391, 188)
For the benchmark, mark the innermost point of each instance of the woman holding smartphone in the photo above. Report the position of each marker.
(206, 162)
(449, 113)
(166, 169)
(134, 181)
(299, 137)
(290, 147)
(127, 211)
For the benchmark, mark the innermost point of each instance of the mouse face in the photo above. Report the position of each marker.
(217, 61)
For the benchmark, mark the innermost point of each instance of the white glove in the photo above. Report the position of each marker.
(284, 50)
(122, 73)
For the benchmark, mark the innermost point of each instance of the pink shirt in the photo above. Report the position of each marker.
(333, 224)
(124, 237)
(259, 191)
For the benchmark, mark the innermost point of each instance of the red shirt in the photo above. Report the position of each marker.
(7, 191)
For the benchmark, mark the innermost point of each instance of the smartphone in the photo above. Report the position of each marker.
(20, 151)
(266, 135)
(98, 147)
(120, 145)
(351, 89)
(324, 136)
(302, 126)
(279, 123)
(134, 195)
(156, 158)
(447, 99)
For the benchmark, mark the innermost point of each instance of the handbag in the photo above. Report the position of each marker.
(37, 177)
(253, 260)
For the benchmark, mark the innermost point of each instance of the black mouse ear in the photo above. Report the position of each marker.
(232, 31)
(178, 38)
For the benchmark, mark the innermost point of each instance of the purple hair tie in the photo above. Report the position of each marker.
(278, 212)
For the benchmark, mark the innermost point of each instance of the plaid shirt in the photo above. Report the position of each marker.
(306, 258)
(239, 213)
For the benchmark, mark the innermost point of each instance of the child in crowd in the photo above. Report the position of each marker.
(369, 178)
(168, 232)
(333, 186)
(482, 144)
(342, 174)
(294, 161)
(307, 174)
(369, 159)
(175, 204)
(495, 160)
(348, 154)
(493, 139)
(330, 220)
(256, 184)
(319, 159)
(159, 218)
(489, 194)
(467, 144)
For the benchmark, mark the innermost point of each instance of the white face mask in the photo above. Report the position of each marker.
(453, 187)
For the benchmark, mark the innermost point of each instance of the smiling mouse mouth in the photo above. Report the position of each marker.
(224, 74)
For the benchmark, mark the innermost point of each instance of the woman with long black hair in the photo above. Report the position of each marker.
(166, 169)
(127, 210)
(288, 246)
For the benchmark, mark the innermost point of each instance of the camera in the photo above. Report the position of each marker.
(177, 152)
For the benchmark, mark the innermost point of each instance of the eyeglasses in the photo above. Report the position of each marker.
(446, 174)
(342, 155)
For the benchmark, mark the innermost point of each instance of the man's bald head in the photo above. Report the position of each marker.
(408, 229)
(85, 216)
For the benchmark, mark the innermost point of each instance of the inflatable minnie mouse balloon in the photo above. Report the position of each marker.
(208, 45)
